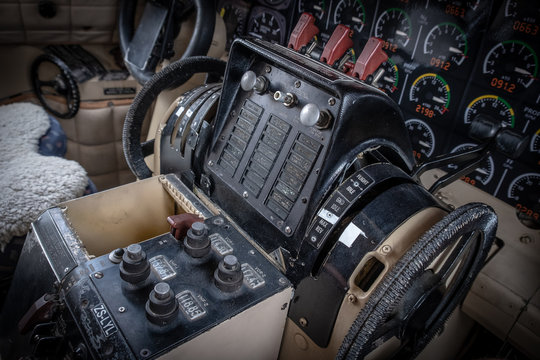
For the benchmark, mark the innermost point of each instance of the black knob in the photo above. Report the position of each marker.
(511, 143)
(196, 242)
(228, 276)
(161, 307)
(134, 267)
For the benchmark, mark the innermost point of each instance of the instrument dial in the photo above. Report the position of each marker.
(482, 174)
(535, 143)
(268, 25)
(431, 94)
(394, 27)
(422, 138)
(390, 79)
(525, 192)
(491, 106)
(351, 13)
(447, 45)
(314, 7)
(511, 65)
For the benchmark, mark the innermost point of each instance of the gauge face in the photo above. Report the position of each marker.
(493, 107)
(431, 94)
(390, 79)
(525, 191)
(447, 45)
(482, 174)
(511, 66)
(314, 7)
(535, 143)
(394, 27)
(422, 138)
(351, 13)
(268, 25)
(235, 21)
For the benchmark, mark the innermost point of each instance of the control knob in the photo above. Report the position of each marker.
(228, 276)
(196, 242)
(250, 81)
(311, 115)
(161, 307)
(134, 267)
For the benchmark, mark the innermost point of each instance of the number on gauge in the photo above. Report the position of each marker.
(525, 192)
(525, 16)
(446, 44)
(482, 174)
(431, 94)
(511, 65)
(351, 13)
(422, 138)
(492, 107)
(394, 27)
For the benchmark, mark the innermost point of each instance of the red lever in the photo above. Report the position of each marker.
(370, 59)
(303, 32)
(339, 43)
(181, 223)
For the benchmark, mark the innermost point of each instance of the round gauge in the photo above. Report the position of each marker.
(493, 107)
(235, 20)
(394, 26)
(511, 65)
(535, 143)
(351, 13)
(431, 94)
(525, 191)
(316, 8)
(422, 138)
(389, 81)
(267, 24)
(483, 173)
(446, 43)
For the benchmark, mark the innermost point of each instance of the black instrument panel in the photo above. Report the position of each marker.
(449, 61)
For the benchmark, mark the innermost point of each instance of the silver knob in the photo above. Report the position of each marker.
(250, 81)
(311, 115)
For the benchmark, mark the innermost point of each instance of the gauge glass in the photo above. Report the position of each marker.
(447, 45)
(390, 78)
(511, 65)
(268, 25)
(350, 13)
(493, 107)
(394, 27)
(525, 191)
(482, 174)
(422, 138)
(314, 7)
(431, 94)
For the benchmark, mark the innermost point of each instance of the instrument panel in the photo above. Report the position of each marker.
(449, 62)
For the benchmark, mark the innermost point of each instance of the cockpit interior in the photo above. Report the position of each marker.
(269, 179)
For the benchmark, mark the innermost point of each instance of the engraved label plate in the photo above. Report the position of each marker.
(190, 306)
(162, 267)
(220, 245)
(252, 278)
(104, 320)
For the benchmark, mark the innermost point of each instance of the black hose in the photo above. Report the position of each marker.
(170, 77)
(465, 220)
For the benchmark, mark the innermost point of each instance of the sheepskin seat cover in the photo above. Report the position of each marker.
(30, 183)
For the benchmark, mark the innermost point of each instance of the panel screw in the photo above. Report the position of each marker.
(98, 275)
(303, 322)
(386, 249)
(525, 239)
(288, 230)
(297, 83)
(282, 281)
(351, 298)
(331, 101)
(121, 309)
(268, 68)
(245, 194)
(210, 163)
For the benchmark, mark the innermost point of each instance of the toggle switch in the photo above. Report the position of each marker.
(337, 45)
(134, 267)
(250, 81)
(287, 99)
(311, 115)
(197, 242)
(304, 30)
(228, 276)
(161, 306)
(371, 57)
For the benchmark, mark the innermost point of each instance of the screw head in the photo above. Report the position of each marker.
(331, 101)
(98, 275)
(297, 84)
(245, 194)
(386, 249)
(303, 322)
(351, 298)
(268, 68)
(288, 230)
(121, 309)
(210, 163)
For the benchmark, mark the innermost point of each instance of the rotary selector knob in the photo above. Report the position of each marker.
(134, 267)
(250, 81)
(228, 276)
(161, 306)
(311, 115)
(197, 242)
